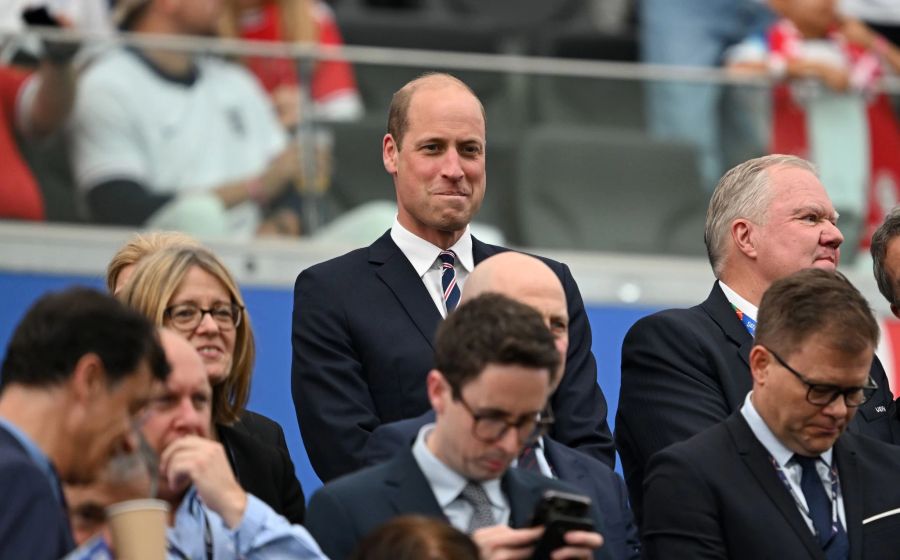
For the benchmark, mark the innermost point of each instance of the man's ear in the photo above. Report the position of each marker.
(742, 235)
(389, 153)
(438, 391)
(760, 362)
(88, 378)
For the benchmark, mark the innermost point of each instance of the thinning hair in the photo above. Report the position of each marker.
(743, 192)
(882, 237)
(492, 329)
(141, 245)
(398, 114)
(815, 301)
(150, 291)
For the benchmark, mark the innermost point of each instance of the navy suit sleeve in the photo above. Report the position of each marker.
(667, 394)
(32, 524)
(877, 418)
(329, 522)
(384, 443)
(632, 538)
(334, 408)
(680, 520)
(578, 403)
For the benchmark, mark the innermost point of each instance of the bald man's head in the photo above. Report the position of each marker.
(528, 280)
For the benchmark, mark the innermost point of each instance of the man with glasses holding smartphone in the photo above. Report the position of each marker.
(781, 477)
(495, 361)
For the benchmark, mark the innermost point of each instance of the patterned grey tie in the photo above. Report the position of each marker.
(482, 514)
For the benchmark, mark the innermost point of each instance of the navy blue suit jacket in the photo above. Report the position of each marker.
(33, 522)
(363, 332)
(717, 495)
(684, 370)
(586, 474)
(344, 511)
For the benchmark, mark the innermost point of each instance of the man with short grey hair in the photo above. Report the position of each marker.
(781, 477)
(684, 370)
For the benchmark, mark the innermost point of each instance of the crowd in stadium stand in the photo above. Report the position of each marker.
(445, 387)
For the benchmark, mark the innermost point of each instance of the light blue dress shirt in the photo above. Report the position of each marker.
(261, 535)
(447, 485)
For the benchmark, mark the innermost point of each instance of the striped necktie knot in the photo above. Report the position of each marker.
(448, 280)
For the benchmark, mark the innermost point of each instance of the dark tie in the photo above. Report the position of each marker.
(448, 279)
(832, 538)
(482, 514)
(528, 459)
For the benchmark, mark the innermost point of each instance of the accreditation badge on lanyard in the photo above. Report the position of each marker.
(745, 319)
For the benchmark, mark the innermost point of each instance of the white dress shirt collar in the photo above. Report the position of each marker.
(446, 483)
(764, 434)
(422, 254)
(736, 300)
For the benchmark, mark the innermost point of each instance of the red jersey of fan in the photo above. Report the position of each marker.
(20, 196)
(330, 77)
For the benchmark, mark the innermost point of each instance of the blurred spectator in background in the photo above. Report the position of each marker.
(34, 105)
(416, 537)
(90, 15)
(172, 140)
(333, 90)
(697, 33)
(828, 109)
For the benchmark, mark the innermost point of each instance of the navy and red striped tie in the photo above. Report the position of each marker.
(448, 280)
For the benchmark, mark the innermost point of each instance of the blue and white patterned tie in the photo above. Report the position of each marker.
(448, 280)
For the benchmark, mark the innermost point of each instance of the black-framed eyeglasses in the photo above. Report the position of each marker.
(188, 316)
(491, 427)
(821, 394)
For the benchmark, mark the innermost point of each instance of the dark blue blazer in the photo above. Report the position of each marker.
(586, 474)
(362, 340)
(33, 521)
(717, 495)
(344, 511)
(684, 370)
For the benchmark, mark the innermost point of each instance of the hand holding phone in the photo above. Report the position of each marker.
(560, 512)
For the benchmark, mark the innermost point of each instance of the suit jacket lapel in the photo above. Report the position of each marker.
(567, 468)
(481, 251)
(851, 493)
(719, 309)
(408, 490)
(522, 498)
(398, 274)
(756, 458)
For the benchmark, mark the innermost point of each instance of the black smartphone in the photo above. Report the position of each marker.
(560, 512)
(39, 16)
